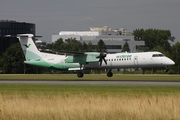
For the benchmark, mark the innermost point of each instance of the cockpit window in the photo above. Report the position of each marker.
(157, 55)
(161, 55)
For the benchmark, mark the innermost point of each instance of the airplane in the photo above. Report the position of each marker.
(79, 61)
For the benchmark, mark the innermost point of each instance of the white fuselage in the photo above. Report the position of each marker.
(114, 61)
(132, 60)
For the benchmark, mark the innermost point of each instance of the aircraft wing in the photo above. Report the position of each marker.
(72, 53)
(62, 52)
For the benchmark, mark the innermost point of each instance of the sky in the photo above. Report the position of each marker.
(53, 16)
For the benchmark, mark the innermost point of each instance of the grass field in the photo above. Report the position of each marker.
(75, 102)
(87, 77)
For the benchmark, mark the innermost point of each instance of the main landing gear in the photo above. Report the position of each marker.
(109, 74)
(80, 74)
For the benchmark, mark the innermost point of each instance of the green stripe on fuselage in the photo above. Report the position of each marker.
(42, 63)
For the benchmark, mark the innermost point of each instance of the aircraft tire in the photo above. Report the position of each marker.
(80, 74)
(109, 74)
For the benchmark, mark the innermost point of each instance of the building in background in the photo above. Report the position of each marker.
(114, 39)
(9, 27)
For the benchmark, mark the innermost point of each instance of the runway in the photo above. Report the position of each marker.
(98, 82)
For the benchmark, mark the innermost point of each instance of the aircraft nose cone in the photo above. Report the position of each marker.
(170, 62)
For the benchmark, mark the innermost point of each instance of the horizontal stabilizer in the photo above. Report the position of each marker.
(22, 35)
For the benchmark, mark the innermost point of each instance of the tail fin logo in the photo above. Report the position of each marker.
(27, 46)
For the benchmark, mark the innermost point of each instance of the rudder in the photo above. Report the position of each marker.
(28, 46)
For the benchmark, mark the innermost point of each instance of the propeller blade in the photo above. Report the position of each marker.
(102, 58)
(105, 61)
(100, 63)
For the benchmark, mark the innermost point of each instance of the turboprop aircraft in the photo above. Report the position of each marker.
(80, 61)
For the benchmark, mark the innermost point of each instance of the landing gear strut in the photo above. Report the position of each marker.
(166, 69)
(109, 74)
(80, 74)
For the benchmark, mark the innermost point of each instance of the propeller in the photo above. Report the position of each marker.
(102, 58)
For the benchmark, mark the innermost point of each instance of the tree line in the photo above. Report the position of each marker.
(71, 44)
(11, 61)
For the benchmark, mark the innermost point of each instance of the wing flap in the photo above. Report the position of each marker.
(74, 69)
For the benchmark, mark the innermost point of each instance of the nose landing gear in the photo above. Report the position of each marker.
(166, 69)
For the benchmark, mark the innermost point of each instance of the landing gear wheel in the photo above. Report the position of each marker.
(80, 74)
(109, 74)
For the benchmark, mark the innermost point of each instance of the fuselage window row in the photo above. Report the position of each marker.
(118, 59)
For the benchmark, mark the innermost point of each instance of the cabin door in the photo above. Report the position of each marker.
(135, 60)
